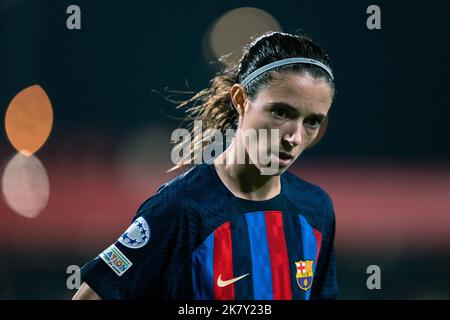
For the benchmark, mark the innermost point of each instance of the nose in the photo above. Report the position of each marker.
(294, 136)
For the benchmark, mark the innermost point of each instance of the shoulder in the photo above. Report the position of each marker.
(176, 195)
(301, 191)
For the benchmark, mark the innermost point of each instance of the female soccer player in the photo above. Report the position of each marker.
(224, 230)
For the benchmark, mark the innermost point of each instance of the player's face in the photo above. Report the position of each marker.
(294, 104)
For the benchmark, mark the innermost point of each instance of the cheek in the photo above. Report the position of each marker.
(309, 137)
(254, 120)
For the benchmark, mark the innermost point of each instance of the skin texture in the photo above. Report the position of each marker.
(86, 293)
(309, 100)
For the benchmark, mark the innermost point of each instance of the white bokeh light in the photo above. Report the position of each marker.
(25, 185)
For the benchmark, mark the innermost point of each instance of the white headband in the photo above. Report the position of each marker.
(283, 62)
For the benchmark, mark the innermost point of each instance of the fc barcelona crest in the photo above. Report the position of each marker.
(304, 274)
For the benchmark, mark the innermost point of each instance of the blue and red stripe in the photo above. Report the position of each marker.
(242, 260)
(261, 271)
(270, 260)
(311, 240)
(279, 258)
(202, 270)
(272, 274)
(223, 262)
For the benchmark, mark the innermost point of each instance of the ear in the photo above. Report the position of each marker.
(238, 97)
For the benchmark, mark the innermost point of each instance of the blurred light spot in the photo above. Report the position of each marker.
(235, 29)
(29, 119)
(25, 185)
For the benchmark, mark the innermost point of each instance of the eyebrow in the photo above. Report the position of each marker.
(320, 116)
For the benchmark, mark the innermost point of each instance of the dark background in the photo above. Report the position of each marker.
(384, 159)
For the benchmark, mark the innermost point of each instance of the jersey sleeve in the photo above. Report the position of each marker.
(326, 287)
(132, 267)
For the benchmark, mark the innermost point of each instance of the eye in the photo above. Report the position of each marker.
(279, 114)
(313, 122)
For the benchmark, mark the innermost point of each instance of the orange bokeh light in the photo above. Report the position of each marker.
(29, 120)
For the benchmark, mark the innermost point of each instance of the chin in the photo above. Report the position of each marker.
(273, 171)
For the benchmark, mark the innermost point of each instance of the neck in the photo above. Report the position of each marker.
(245, 180)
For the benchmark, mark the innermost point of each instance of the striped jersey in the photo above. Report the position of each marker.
(194, 239)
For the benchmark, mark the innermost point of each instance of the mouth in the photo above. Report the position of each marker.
(284, 159)
(285, 156)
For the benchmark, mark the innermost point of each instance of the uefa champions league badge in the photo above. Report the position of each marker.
(137, 235)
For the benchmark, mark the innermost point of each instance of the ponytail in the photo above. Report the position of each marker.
(213, 107)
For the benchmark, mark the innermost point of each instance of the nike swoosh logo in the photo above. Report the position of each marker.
(223, 283)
